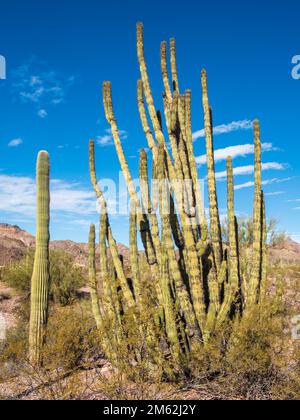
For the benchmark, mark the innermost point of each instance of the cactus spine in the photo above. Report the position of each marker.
(41, 271)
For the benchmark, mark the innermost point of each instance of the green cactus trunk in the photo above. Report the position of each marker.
(93, 278)
(257, 220)
(232, 287)
(263, 287)
(134, 256)
(215, 226)
(41, 271)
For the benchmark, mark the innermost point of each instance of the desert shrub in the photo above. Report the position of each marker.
(66, 277)
(72, 339)
(72, 345)
(245, 232)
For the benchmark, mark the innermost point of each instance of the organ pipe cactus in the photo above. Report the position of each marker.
(198, 278)
(215, 226)
(93, 277)
(257, 219)
(41, 271)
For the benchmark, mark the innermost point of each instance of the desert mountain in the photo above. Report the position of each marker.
(14, 242)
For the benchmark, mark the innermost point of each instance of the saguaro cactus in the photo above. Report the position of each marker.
(41, 273)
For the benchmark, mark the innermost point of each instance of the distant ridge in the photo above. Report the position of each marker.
(14, 243)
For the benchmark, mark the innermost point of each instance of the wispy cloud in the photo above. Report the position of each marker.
(107, 139)
(42, 113)
(35, 83)
(267, 182)
(274, 194)
(226, 128)
(247, 170)
(297, 200)
(241, 150)
(18, 196)
(15, 142)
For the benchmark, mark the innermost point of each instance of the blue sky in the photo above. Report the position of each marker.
(59, 52)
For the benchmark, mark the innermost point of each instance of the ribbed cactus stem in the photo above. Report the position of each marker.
(257, 219)
(164, 71)
(93, 277)
(169, 306)
(263, 288)
(143, 116)
(174, 64)
(187, 308)
(231, 288)
(193, 168)
(148, 206)
(41, 274)
(111, 242)
(233, 240)
(134, 256)
(215, 226)
(145, 78)
(143, 221)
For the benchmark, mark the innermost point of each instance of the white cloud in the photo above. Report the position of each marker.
(107, 139)
(15, 143)
(274, 194)
(241, 150)
(267, 182)
(247, 170)
(18, 196)
(226, 128)
(42, 113)
(35, 83)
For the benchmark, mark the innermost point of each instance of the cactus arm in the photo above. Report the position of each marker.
(112, 244)
(181, 290)
(108, 107)
(143, 116)
(164, 71)
(146, 200)
(143, 221)
(211, 177)
(145, 79)
(263, 288)
(41, 271)
(169, 307)
(93, 278)
(174, 64)
(257, 219)
(193, 167)
(232, 287)
(134, 256)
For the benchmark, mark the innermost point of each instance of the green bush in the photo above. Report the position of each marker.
(66, 277)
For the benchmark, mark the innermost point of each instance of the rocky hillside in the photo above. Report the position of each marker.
(14, 243)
